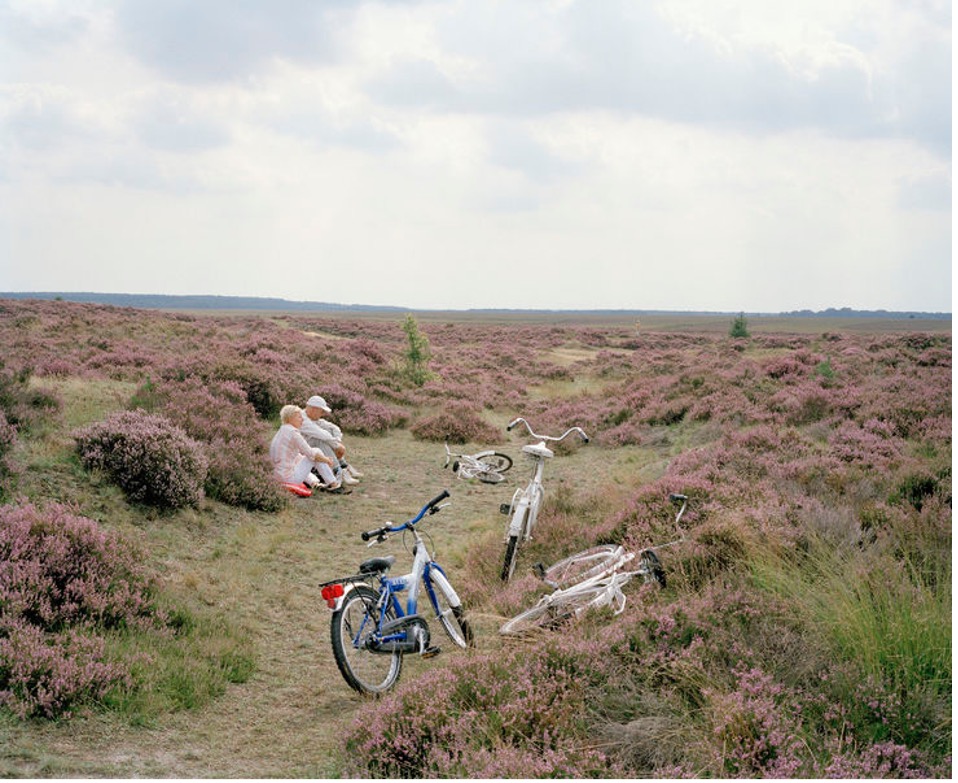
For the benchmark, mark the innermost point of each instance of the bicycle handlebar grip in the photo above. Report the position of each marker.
(365, 536)
(677, 496)
(438, 499)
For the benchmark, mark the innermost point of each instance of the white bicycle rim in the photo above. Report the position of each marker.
(585, 565)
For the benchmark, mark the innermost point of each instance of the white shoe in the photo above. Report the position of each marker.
(347, 479)
(355, 473)
(334, 485)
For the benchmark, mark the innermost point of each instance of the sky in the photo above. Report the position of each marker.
(719, 155)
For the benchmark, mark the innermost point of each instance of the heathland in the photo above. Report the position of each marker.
(805, 630)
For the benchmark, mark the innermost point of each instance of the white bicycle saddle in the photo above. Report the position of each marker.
(538, 450)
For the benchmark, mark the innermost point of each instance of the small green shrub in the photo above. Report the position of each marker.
(739, 327)
(417, 353)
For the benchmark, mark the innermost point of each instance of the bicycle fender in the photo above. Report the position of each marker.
(443, 584)
(520, 511)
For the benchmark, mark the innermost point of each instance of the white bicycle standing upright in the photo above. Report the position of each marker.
(524, 509)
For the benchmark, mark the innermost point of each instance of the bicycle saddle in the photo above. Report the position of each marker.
(538, 450)
(376, 565)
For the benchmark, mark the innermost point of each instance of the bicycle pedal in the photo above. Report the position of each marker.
(505, 508)
(430, 652)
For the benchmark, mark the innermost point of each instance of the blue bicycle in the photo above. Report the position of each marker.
(371, 631)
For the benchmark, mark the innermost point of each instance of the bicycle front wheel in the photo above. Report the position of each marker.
(353, 624)
(556, 609)
(509, 561)
(449, 610)
(583, 565)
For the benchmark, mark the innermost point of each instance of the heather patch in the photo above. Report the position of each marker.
(457, 423)
(63, 583)
(81, 624)
(503, 715)
(149, 458)
(219, 415)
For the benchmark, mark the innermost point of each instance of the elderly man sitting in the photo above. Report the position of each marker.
(293, 458)
(327, 437)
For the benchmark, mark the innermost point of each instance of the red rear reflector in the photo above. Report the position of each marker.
(331, 592)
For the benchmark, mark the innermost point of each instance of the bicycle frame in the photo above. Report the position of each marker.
(407, 632)
(425, 571)
(524, 509)
(528, 497)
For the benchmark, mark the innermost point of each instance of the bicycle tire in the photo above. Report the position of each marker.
(509, 561)
(542, 616)
(490, 477)
(651, 568)
(363, 670)
(452, 618)
(497, 461)
(553, 611)
(583, 565)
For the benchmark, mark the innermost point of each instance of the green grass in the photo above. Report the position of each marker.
(181, 670)
(887, 622)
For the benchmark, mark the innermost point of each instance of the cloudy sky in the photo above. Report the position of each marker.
(756, 155)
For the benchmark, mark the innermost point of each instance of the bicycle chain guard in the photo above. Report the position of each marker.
(415, 636)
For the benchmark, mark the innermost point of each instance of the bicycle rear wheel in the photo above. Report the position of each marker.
(583, 565)
(352, 625)
(651, 568)
(497, 461)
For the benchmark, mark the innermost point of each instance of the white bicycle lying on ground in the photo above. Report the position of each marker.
(524, 509)
(591, 579)
(487, 466)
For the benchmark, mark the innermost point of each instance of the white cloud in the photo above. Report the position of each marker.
(742, 155)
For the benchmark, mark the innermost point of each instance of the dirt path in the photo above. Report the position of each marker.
(263, 571)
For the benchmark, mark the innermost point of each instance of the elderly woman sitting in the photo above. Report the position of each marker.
(293, 458)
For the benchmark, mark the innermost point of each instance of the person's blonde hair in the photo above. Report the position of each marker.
(287, 412)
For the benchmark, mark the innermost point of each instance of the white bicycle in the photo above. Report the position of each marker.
(591, 579)
(524, 509)
(487, 466)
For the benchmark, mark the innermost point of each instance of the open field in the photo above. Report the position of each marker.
(675, 322)
(808, 444)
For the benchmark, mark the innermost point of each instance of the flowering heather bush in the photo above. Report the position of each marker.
(46, 675)
(219, 416)
(355, 413)
(457, 423)
(58, 569)
(504, 715)
(754, 734)
(8, 437)
(62, 578)
(150, 459)
(21, 405)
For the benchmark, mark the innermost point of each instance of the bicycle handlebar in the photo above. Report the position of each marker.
(578, 430)
(432, 507)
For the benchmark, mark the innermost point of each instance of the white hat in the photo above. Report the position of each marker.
(318, 402)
